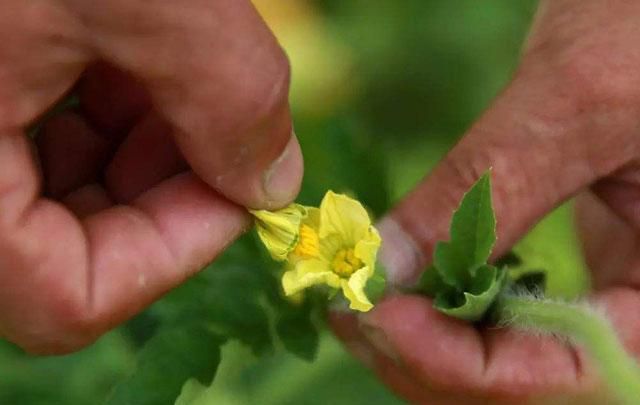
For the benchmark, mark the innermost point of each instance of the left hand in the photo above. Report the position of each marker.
(567, 123)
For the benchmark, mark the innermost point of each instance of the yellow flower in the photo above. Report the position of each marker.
(342, 254)
(290, 233)
(280, 230)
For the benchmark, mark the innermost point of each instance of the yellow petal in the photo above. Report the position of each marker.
(307, 273)
(343, 216)
(313, 218)
(330, 245)
(297, 298)
(353, 290)
(367, 248)
(280, 230)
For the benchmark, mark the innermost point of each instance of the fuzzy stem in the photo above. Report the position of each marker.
(584, 326)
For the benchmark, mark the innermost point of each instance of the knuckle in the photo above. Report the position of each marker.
(596, 72)
(467, 163)
(603, 93)
(464, 172)
(513, 182)
(595, 84)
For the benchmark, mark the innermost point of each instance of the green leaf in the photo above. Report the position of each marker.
(472, 236)
(235, 304)
(298, 333)
(195, 393)
(431, 282)
(472, 305)
(141, 328)
(166, 361)
(230, 295)
(344, 158)
(376, 285)
(463, 284)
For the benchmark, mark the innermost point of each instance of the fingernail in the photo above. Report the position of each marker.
(399, 253)
(282, 180)
(377, 337)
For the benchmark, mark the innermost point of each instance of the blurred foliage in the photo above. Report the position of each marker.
(166, 361)
(380, 91)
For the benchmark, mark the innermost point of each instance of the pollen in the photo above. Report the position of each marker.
(308, 243)
(346, 263)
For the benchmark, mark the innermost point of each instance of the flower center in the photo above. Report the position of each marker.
(345, 263)
(308, 243)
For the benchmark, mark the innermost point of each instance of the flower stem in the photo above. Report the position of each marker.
(583, 325)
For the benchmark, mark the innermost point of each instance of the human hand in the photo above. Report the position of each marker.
(143, 184)
(567, 124)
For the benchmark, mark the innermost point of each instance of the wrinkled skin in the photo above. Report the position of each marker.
(143, 184)
(567, 125)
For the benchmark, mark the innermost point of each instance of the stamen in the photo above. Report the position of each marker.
(345, 263)
(308, 244)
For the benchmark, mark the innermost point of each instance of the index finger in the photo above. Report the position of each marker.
(66, 281)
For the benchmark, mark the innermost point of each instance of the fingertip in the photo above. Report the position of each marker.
(283, 178)
(256, 174)
(399, 253)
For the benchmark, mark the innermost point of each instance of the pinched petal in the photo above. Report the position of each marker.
(353, 290)
(367, 248)
(280, 230)
(343, 216)
(313, 218)
(307, 273)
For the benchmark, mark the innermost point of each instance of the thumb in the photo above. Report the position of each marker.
(545, 137)
(218, 76)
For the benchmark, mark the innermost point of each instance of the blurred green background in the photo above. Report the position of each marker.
(390, 84)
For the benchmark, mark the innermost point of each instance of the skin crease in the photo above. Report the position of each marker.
(568, 124)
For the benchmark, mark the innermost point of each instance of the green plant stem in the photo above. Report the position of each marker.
(584, 326)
